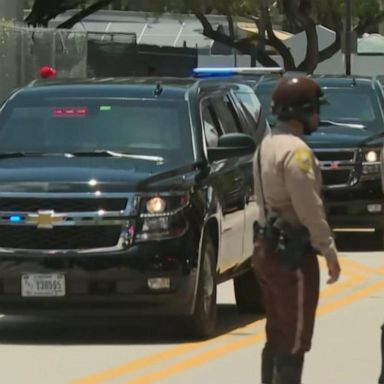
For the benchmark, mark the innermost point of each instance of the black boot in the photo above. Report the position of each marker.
(381, 378)
(267, 365)
(288, 369)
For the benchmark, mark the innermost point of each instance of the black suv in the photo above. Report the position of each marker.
(128, 195)
(347, 144)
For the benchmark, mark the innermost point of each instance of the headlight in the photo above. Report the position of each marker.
(371, 162)
(371, 156)
(163, 217)
(156, 205)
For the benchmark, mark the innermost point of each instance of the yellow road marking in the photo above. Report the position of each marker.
(343, 301)
(348, 265)
(247, 341)
(180, 349)
(199, 359)
(155, 358)
(333, 289)
(361, 268)
(137, 364)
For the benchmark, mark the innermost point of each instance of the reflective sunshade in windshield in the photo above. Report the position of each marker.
(145, 127)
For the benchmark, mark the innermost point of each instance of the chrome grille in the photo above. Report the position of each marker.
(10, 204)
(73, 222)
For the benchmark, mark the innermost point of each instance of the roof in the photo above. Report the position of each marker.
(331, 80)
(135, 87)
(118, 87)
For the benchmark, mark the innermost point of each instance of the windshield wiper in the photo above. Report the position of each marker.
(106, 153)
(330, 123)
(15, 154)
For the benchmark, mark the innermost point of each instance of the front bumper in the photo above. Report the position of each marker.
(109, 283)
(355, 214)
(353, 207)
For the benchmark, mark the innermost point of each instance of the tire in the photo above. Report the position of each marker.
(202, 323)
(380, 239)
(248, 294)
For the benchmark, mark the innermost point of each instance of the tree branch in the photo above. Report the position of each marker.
(68, 24)
(281, 48)
(328, 52)
(364, 24)
(294, 11)
(242, 45)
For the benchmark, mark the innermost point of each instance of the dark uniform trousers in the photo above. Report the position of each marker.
(291, 299)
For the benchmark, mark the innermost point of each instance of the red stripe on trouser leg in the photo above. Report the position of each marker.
(291, 300)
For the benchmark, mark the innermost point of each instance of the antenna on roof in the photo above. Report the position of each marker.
(158, 90)
(354, 81)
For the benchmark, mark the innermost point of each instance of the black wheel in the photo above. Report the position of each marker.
(202, 323)
(380, 239)
(248, 294)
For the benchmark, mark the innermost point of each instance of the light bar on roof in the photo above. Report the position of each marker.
(233, 71)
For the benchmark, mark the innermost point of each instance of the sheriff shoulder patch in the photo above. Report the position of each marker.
(303, 159)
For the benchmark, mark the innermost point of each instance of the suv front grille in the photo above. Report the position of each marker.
(60, 238)
(62, 205)
(335, 177)
(337, 166)
(335, 156)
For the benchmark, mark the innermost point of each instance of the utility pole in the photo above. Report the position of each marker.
(348, 37)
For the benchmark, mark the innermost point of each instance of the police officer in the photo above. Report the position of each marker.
(288, 190)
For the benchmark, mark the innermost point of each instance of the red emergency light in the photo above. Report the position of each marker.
(46, 72)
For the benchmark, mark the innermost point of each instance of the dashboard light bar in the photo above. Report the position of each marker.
(233, 71)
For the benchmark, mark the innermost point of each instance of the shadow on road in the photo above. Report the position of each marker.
(359, 242)
(109, 330)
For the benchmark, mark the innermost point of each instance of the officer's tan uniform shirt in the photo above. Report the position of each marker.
(292, 185)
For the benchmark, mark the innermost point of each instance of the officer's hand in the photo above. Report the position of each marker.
(333, 271)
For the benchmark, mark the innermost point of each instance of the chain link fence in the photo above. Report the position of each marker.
(24, 50)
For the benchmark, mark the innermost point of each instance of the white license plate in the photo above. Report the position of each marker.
(43, 285)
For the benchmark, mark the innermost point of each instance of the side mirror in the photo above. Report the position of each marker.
(232, 145)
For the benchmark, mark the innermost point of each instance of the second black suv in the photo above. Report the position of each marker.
(348, 145)
(128, 195)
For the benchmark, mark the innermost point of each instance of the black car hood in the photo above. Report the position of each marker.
(88, 175)
(337, 137)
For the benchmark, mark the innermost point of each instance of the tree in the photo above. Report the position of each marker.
(296, 15)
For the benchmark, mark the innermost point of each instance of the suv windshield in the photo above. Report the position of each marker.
(71, 125)
(345, 105)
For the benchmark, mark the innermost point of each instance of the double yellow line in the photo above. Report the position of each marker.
(350, 269)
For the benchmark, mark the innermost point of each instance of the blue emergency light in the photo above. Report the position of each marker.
(205, 72)
(15, 219)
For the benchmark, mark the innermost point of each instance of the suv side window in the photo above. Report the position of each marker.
(227, 116)
(250, 103)
(211, 126)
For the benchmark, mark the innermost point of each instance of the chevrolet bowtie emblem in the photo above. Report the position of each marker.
(44, 219)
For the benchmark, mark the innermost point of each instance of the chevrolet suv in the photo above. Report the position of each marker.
(128, 195)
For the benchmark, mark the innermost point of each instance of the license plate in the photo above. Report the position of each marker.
(43, 285)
